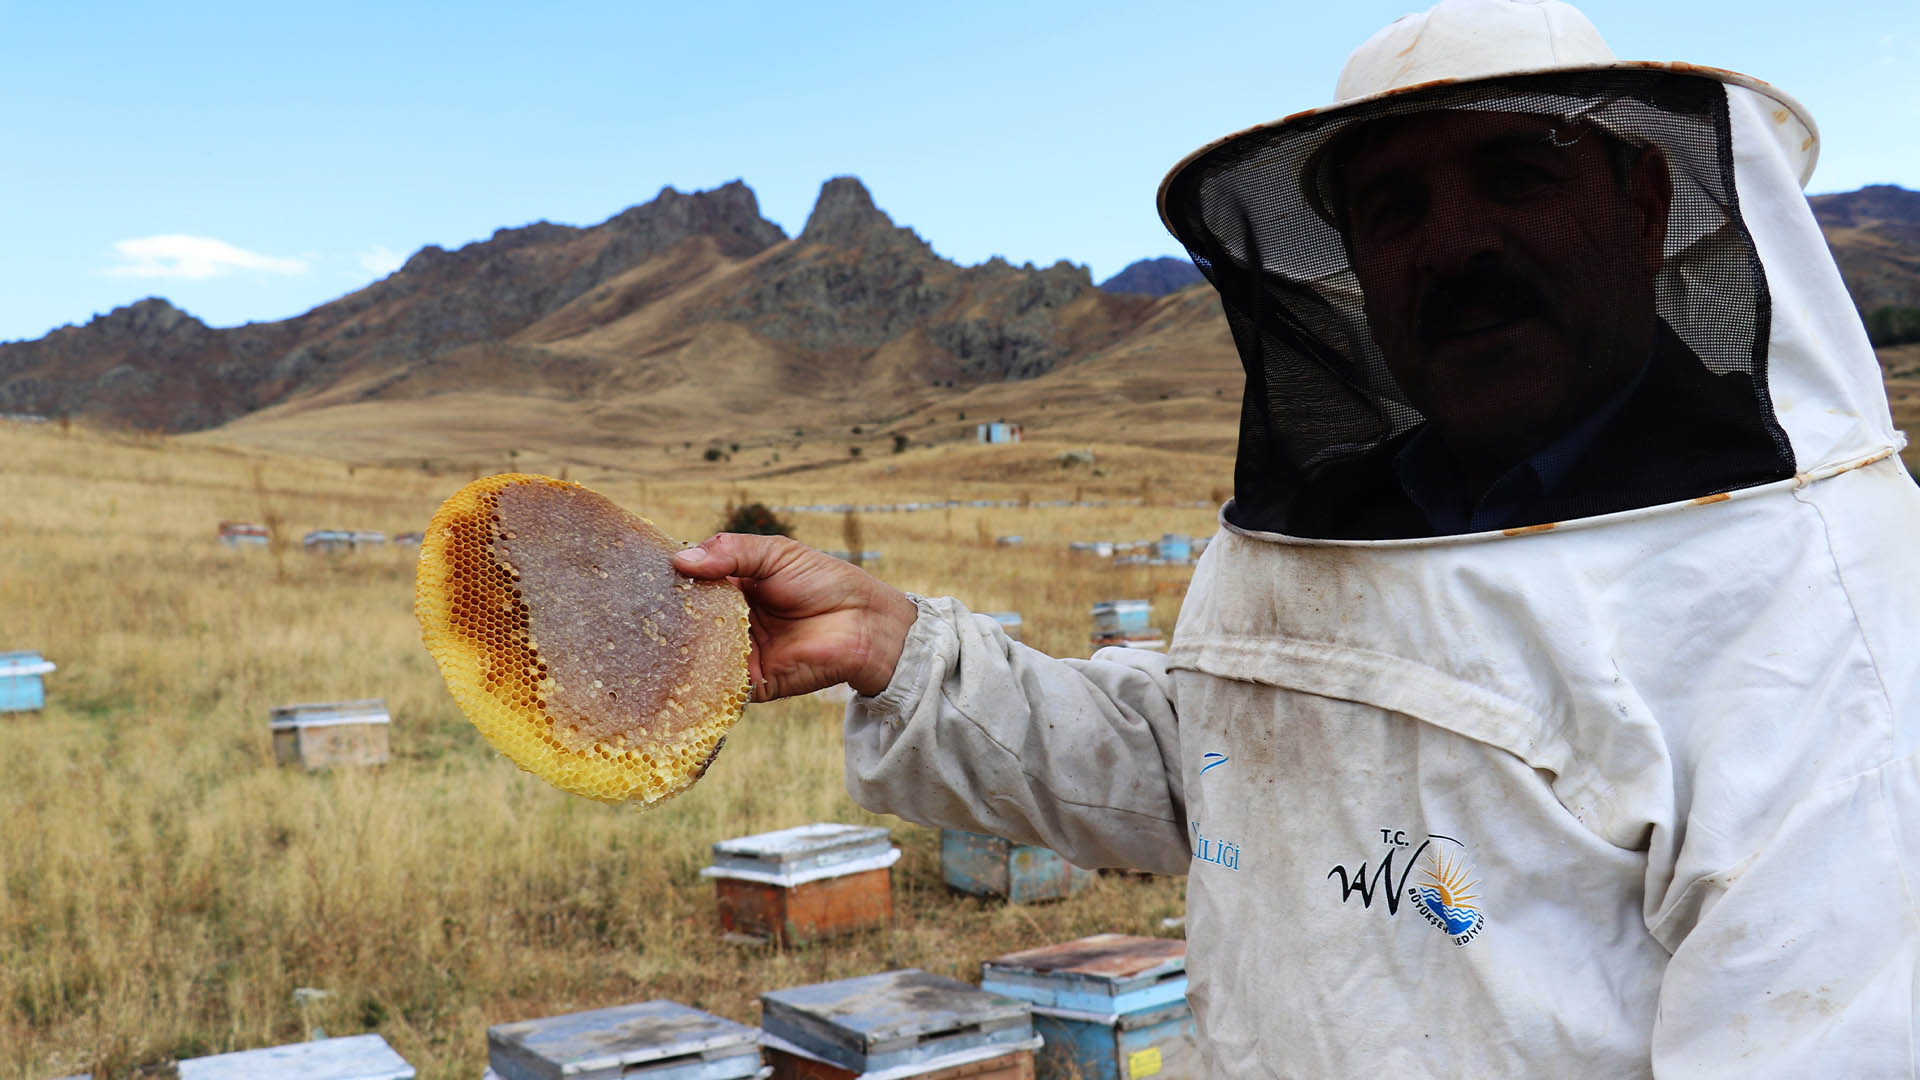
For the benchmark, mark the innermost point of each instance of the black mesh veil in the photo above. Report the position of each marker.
(1413, 293)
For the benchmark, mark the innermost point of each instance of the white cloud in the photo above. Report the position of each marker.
(179, 256)
(381, 260)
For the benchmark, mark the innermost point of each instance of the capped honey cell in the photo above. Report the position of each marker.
(546, 607)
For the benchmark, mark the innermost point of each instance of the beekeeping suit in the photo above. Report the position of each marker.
(1600, 766)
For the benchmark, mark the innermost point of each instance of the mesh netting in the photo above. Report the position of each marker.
(1488, 305)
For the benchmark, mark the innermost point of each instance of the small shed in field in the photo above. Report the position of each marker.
(998, 432)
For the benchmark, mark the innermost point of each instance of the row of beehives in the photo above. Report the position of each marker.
(1107, 1006)
(249, 534)
(1110, 1007)
(1172, 549)
(1125, 623)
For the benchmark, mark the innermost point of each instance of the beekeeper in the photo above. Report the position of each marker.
(1544, 705)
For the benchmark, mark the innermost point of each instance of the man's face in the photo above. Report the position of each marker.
(1508, 271)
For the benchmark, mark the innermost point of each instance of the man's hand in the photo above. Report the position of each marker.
(816, 621)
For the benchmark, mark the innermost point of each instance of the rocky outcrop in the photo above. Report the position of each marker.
(152, 365)
(1154, 277)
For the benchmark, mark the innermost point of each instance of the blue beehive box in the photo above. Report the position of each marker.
(658, 1040)
(20, 686)
(1111, 1007)
(356, 1057)
(1175, 548)
(1022, 873)
(904, 1023)
(1121, 616)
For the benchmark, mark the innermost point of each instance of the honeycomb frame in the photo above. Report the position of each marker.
(477, 621)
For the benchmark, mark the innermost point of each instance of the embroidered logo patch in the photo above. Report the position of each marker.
(1446, 894)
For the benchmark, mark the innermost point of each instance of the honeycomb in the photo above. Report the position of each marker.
(569, 640)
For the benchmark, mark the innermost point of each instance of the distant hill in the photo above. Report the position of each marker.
(1874, 234)
(1154, 277)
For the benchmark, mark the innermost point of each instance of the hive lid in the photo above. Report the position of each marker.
(662, 1036)
(23, 662)
(323, 714)
(356, 1057)
(802, 847)
(894, 1018)
(1105, 973)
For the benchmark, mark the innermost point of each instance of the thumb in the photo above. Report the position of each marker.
(736, 555)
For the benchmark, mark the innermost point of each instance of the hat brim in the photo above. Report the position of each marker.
(1793, 127)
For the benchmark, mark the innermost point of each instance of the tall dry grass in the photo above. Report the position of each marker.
(164, 887)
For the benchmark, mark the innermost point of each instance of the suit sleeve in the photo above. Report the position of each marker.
(982, 733)
(1802, 959)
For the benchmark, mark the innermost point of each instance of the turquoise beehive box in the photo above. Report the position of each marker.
(20, 687)
(1110, 1006)
(1020, 873)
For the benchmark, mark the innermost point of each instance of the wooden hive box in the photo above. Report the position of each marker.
(321, 735)
(1110, 1006)
(805, 883)
(658, 1040)
(20, 687)
(897, 1024)
(356, 1057)
(1020, 873)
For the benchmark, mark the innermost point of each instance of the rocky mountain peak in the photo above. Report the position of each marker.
(844, 215)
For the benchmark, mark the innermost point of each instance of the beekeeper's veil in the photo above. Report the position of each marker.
(1452, 317)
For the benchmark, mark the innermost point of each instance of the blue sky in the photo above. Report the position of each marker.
(249, 161)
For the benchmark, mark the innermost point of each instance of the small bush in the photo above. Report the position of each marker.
(755, 518)
(714, 453)
(853, 451)
(899, 443)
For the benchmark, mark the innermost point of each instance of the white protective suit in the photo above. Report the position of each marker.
(1631, 795)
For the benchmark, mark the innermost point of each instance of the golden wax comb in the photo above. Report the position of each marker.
(569, 640)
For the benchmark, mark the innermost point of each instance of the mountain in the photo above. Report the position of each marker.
(1154, 277)
(641, 315)
(691, 327)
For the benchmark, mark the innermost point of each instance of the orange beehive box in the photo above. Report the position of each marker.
(805, 883)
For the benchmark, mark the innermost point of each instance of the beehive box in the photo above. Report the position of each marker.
(1175, 547)
(1010, 621)
(20, 687)
(907, 1023)
(1121, 616)
(805, 883)
(1020, 873)
(1149, 638)
(1111, 1007)
(658, 1040)
(325, 734)
(356, 1057)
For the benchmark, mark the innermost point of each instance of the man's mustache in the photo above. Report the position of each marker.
(1488, 292)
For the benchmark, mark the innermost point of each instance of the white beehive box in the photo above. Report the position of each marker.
(356, 1057)
(325, 734)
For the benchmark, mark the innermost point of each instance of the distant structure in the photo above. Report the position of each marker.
(1154, 277)
(998, 432)
(328, 541)
(242, 533)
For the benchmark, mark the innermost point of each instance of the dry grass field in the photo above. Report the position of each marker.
(166, 887)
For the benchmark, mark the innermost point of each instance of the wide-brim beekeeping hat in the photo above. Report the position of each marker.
(1258, 212)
